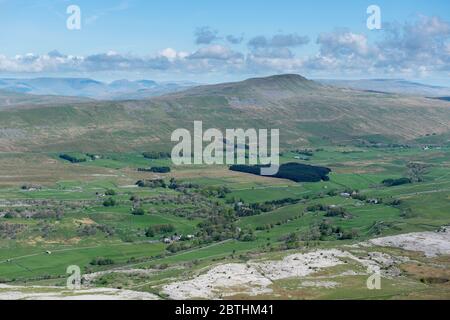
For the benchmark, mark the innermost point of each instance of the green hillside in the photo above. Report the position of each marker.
(10, 100)
(305, 112)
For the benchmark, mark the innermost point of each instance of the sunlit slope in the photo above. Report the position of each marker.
(305, 112)
(12, 100)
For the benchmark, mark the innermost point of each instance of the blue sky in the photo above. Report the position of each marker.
(213, 41)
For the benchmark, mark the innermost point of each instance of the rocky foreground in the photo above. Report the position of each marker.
(256, 277)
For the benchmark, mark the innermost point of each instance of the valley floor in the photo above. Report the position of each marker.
(211, 233)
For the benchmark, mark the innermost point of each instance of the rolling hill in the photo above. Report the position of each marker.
(306, 112)
(9, 99)
(85, 87)
(399, 86)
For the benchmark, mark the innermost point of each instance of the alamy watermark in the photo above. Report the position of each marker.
(73, 22)
(374, 19)
(74, 278)
(236, 146)
(374, 280)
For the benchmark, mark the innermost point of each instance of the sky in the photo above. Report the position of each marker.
(214, 41)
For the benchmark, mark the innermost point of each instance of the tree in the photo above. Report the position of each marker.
(149, 233)
(110, 202)
(100, 261)
(110, 192)
(138, 211)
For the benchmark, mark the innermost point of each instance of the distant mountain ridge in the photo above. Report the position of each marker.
(89, 88)
(10, 99)
(306, 113)
(398, 86)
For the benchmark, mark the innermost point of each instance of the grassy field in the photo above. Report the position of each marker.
(53, 213)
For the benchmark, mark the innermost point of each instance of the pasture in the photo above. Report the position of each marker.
(53, 213)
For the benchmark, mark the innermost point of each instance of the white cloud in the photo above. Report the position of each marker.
(205, 35)
(235, 39)
(169, 53)
(217, 52)
(419, 48)
(278, 41)
(343, 43)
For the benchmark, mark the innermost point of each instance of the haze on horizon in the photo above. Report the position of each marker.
(208, 42)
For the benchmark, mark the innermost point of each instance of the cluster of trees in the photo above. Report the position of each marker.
(36, 213)
(330, 211)
(155, 169)
(91, 230)
(156, 183)
(72, 158)
(291, 240)
(110, 192)
(337, 212)
(265, 227)
(325, 229)
(247, 235)
(139, 211)
(10, 230)
(110, 202)
(377, 144)
(395, 202)
(362, 197)
(159, 229)
(181, 186)
(252, 209)
(92, 156)
(179, 246)
(316, 207)
(185, 203)
(305, 152)
(297, 172)
(379, 226)
(219, 226)
(156, 155)
(396, 182)
(100, 261)
(359, 196)
(416, 171)
(212, 191)
(161, 183)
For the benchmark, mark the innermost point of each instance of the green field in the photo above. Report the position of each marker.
(54, 221)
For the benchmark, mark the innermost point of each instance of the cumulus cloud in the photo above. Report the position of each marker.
(205, 35)
(420, 44)
(413, 48)
(343, 43)
(57, 62)
(33, 63)
(258, 64)
(115, 61)
(217, 52)
(278, 41)
(276, 53)
(276, 48)
(235, 39)
(172, 54)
